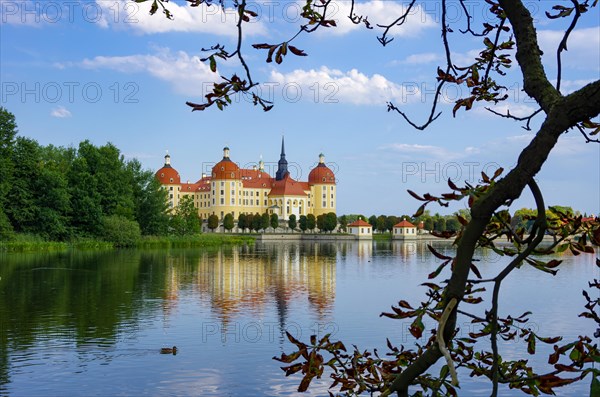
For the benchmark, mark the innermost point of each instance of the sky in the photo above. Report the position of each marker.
(107, 71)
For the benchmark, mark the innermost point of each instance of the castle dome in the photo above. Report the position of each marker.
(168, 175)
(321, 174)
(226, 169)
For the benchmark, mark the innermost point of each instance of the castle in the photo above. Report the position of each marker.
(234, 190)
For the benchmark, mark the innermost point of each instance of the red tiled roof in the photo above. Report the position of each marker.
(287, 187)
(189, 187)
(321, 174)
(404, 223)
(360, 222)
(226, 169)
(166, 173)
(203, 184)
(255, 179)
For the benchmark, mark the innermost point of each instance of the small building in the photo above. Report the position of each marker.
(361, 229)
(404, 230)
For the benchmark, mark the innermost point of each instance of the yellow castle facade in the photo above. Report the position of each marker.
(230, 189)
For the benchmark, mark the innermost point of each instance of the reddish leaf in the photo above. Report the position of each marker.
(297, 51)
(415, 195)
(437, 254)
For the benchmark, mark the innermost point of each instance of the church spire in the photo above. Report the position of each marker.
(282, 169)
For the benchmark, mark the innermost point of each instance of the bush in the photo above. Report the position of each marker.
(120, 231)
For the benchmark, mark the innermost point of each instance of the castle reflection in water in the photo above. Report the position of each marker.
(249, 278)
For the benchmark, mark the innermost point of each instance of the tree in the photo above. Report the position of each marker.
(511, 28)
(373, 221)
(380, 223)
(213, 222)
(242, 222)
(150, 200)
(311, 222)
(321, 223)
(303, 223)
(330, 221)
(121, 231)
(391, 221)
(274, 221)
(250, 222)
(265, 221)
(292, 222)
(8, 131)
(185, 221)
(228, 222)
(257, 223)
(343, 221)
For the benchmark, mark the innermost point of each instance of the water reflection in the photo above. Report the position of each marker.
(71, 320)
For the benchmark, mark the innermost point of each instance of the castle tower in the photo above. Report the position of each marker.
(282, 165)
(226, 186)
(322, 188)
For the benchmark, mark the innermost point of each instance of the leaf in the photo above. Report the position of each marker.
(213, 64)
(417, 327)
(595, 387)
(297, 51)
(531, 344)
(498, 172)
(270, 54)
(405, 304)
(437, 254)
(415, 195)
(437, 271)
(262, 46)
(419, 211)
(475, 270)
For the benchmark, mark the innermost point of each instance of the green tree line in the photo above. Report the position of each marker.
(62, 194)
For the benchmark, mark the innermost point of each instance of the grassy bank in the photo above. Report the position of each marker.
(28, 243)
(382, 236)
(203, 240)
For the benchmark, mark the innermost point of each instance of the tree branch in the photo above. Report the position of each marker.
(541, 229)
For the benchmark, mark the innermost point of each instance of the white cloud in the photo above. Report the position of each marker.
(583, 47)
(352, 87)
(427, 57)
(427, 151)
(379, 12)
(203, 19)
(187, 74)
(60, 112)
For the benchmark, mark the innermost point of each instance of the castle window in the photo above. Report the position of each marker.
(233, 175)
(222, 201)
(171, 180)
(222, 168)
(222, 192)
(332, 204)
(324, 204)
(162, 174)
(222, 184)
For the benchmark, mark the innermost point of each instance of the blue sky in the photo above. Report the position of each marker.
(106, 71)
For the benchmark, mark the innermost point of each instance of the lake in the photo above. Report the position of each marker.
(93, 323)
